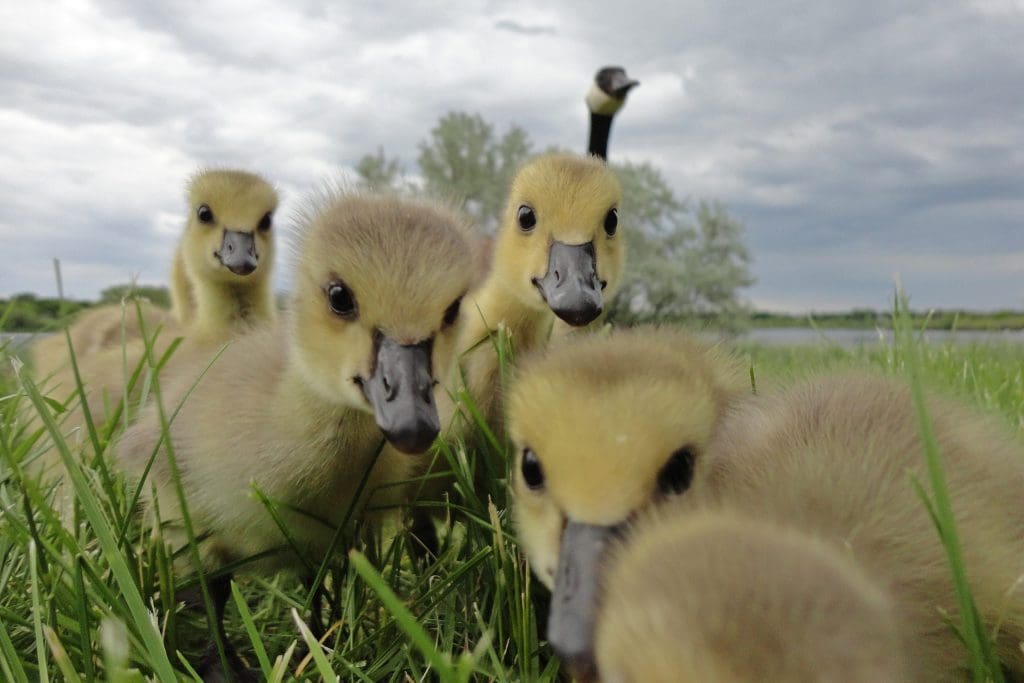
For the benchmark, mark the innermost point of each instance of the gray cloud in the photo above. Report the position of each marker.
(856, 141)
(516, 27)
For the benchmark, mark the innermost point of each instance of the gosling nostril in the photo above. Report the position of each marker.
(390, 390)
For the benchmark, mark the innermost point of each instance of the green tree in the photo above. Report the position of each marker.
(464, 160)
(678, 268)
(377, 172)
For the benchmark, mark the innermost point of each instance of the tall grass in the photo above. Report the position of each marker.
(94, 598)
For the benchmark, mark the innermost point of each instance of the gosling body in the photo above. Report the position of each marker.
(289, 409)
(836, 456)
(220, 286)
(221, 274)
(831, 457)
(717, 597)
(559, 253)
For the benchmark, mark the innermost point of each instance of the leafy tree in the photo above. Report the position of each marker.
(675, 268)
(463, 160)
(377, 172)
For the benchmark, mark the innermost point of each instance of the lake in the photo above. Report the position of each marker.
(795, 336)
(790, 336)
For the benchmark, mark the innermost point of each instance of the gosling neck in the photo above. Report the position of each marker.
(306, 411)
(223, 308)
(527, 326)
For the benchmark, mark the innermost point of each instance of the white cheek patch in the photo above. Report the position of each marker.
(601, 102)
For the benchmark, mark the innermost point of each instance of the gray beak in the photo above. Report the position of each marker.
(574, 602)
(401, 391)
(238, 252)
(570, 287)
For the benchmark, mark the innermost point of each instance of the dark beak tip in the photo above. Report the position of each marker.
(579, 317)
(245, 268)
(413, 441)
(580, 664)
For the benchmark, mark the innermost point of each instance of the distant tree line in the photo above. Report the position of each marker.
(30, 313)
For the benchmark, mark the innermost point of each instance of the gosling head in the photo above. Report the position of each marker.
(560, 247)
(603, 428)
(228, 237)
(716, 596)
(377, 292)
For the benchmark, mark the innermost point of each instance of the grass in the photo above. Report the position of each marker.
(96, 601)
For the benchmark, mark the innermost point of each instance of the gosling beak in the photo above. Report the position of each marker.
(401, 392)
(570, 286)
(574, 601)
(238, 252)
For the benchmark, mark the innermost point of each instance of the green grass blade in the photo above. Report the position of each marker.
(406, 621)
(37, 613)
(157, 656)
(60, 656)
(9, 658)
(315, 649)
(250, 628)
(984, 665)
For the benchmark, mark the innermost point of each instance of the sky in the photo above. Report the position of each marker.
(859, 142)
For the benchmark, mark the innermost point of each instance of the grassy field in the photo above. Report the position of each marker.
(97, 602)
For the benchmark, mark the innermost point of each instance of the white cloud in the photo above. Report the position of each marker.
(869, 131)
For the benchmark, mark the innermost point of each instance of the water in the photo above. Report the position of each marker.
(19, 339)
(795, 336)
(779, 336)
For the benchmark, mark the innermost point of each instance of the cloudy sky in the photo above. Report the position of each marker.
(856, 140)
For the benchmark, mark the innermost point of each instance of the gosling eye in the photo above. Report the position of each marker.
(451, 314)
(533, 475)
(342, 302)
(527, 218)
(611, 222)
(204, 213)
(677, 474)
(264, 223)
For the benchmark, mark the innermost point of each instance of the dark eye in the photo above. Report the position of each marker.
(341, 300)
(527, 218)
(533, 475)
(676, 475)
(451, 313)
(611, 222)
(265, 222)
(204, 214)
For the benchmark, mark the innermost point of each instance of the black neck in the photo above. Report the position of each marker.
(600, 129)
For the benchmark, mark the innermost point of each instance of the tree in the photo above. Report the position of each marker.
(718, 265)
(677, 269)
(377, 172)
(462, 160)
